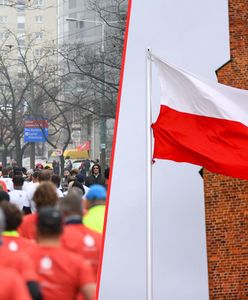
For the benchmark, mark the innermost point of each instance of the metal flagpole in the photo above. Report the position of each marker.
(149, 174)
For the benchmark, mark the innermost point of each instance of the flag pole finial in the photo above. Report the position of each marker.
(149, 53)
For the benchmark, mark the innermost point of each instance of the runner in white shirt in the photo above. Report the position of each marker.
(18, 196)
(31, 187)
(38, 177)
(56, 180)
(7, 179)
(28, 180)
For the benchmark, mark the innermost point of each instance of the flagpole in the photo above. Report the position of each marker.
(149, 174)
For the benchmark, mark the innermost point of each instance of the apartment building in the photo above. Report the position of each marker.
(80, 24)
(28, 19)
(27, 29)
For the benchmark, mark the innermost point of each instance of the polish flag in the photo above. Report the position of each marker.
(84, 146)
(201, 122)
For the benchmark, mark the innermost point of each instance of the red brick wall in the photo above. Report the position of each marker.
(226, 199)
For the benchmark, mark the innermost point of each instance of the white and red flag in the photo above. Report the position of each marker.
(84, 146)
(201, 122)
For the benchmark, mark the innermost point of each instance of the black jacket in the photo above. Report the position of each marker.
(92, 179)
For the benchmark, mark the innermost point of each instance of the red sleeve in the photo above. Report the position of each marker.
(99, 240)
(86, 275)
(28, 269)
(13, 286)
(4, 185)
(19, 290)
(27, 228)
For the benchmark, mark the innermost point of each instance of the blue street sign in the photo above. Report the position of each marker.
(35, 135)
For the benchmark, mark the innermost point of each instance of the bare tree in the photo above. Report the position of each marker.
(92, 69)
(30, 88)
(96, 67)
(85, 83)
(27, 4)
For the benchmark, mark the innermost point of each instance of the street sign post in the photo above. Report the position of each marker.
(35, 131)
(35, 135)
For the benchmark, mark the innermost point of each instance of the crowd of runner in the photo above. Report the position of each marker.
(50, 235)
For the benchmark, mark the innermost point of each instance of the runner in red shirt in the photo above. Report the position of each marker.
(19, 261)
(10, 237)
(12, 286)
(15, 259)
(45, 195)
(62, 274)
(76, 237)
(27, 229)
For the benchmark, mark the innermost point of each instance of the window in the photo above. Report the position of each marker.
(22, 50)
(20, 19)
(39, 69)
(39, 2)
(21, 25)
(4, 2)
(72, 4)
(72, 25)
(39, 19)
(39, 35)
(3, 19)
(3, 35)
(80, 24)
(38, 51)
(21, 75)
(20, 9)
(20, 22)
(21, 41)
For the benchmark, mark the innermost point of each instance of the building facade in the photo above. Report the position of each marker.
(27, 30)
(226, 198)
(80, 24)
(25, 18)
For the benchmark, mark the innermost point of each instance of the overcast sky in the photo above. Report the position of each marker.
(192, 34)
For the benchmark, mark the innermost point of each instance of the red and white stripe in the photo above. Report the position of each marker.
(201, 122)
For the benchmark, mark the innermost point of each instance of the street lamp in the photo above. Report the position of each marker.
(102, 120)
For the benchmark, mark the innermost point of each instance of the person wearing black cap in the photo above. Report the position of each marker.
(63, 275)
(77, 237)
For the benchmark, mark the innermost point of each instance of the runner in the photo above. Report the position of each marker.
(62, 274)
(95, 203)
(76, 237)
(56, 180)
(5, 177)
(9, 279)
(18, 196)
(45, 195)
(31, 187)
(11, 238)
(20, 262)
